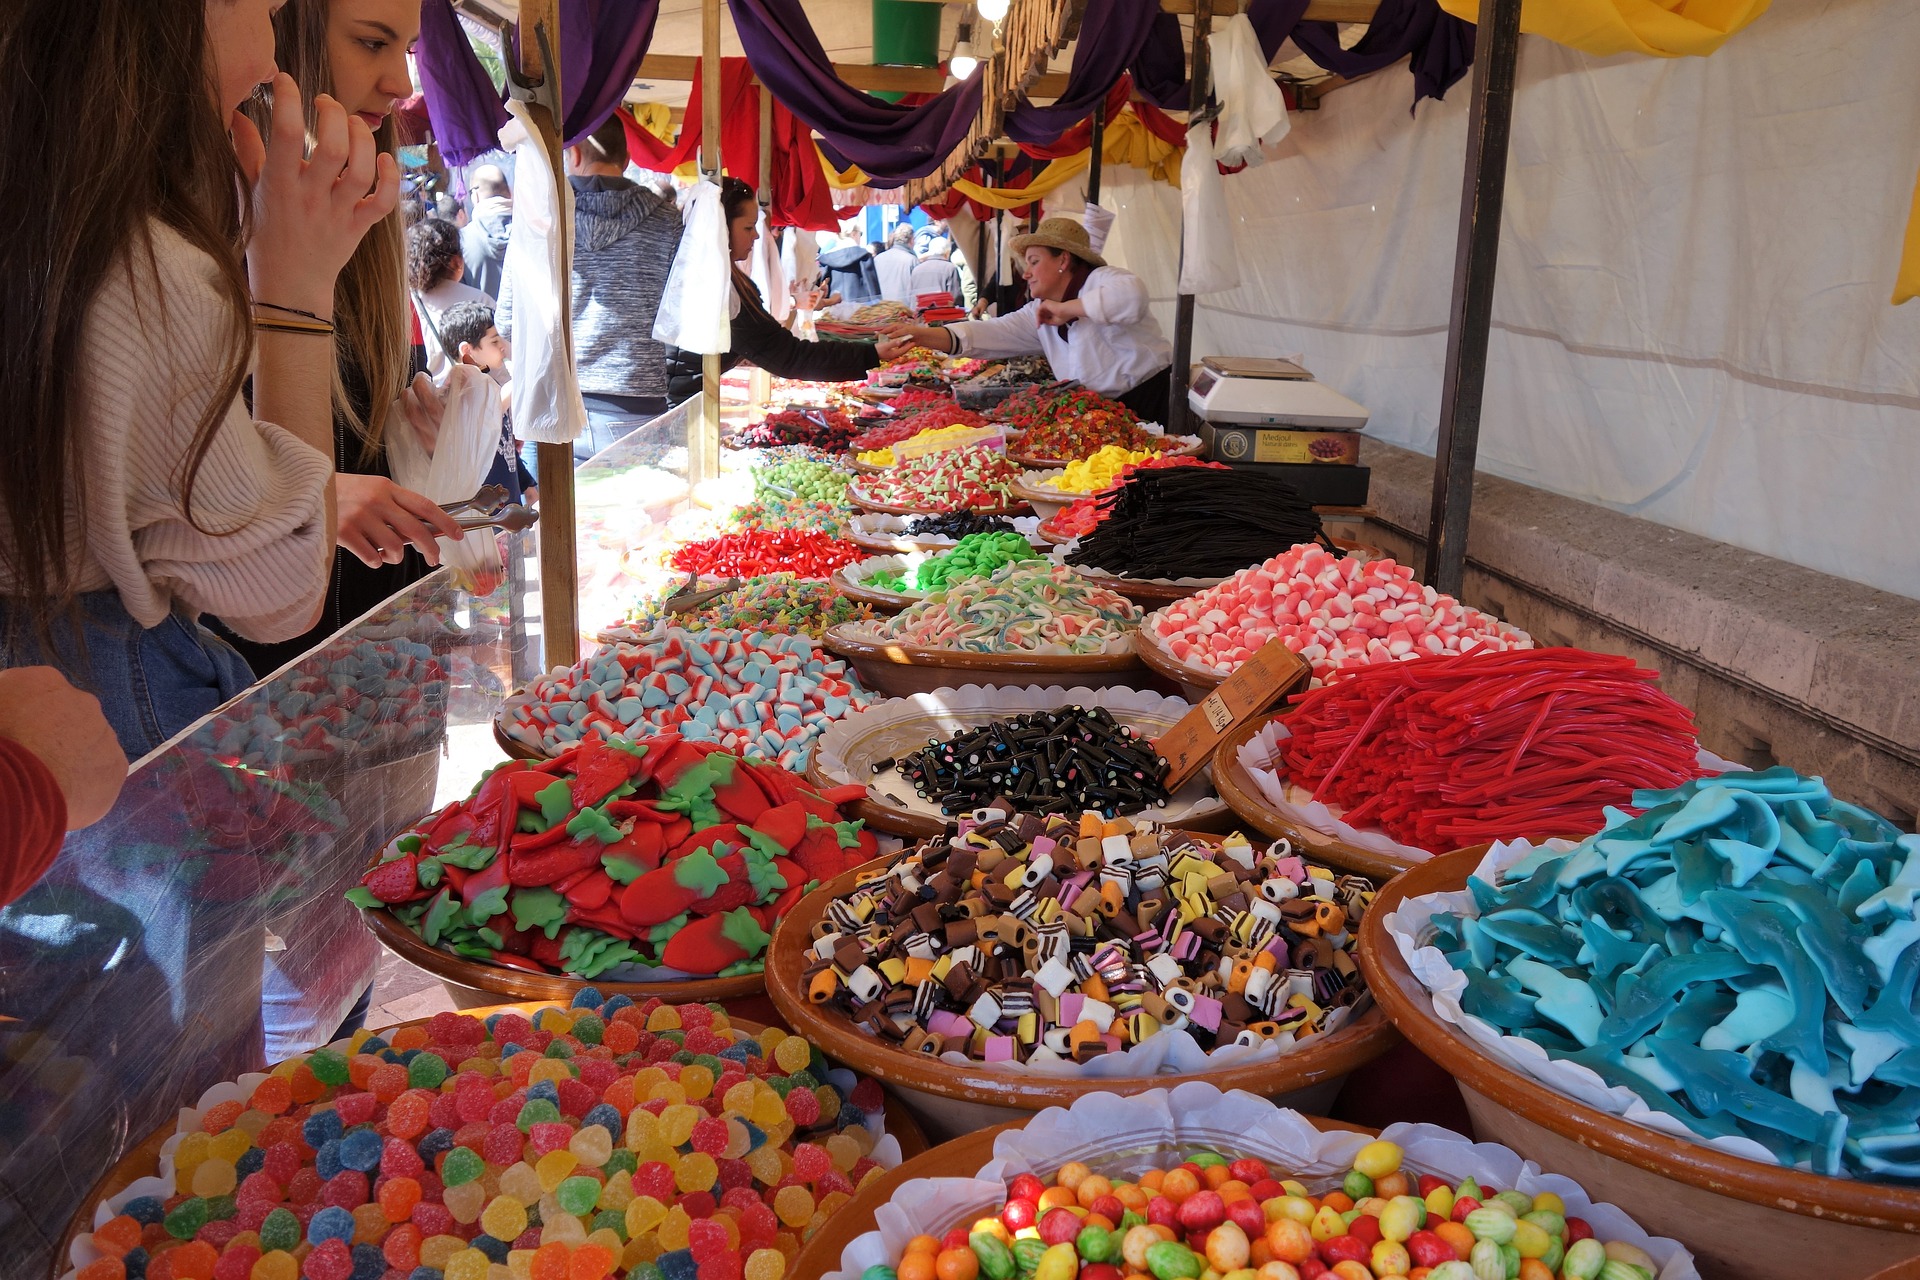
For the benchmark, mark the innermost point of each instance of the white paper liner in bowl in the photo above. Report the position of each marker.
(839, 759)
(1064, 549)
(886, 1149)
(1122, 643)
(873, 525)
(1446, 985)
(1127, 1136)
(1258, 754)
(906, 564)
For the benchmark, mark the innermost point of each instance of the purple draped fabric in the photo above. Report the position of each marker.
(461, 100)
(601, 45)
(891, 142)
(1441, 47)
(1111, 36)
(1440, 44)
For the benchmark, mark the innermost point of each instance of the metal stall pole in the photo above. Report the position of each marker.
(1496, 47)
(539, 67)
(1099, 141)
(703, 437)
(1180, 373)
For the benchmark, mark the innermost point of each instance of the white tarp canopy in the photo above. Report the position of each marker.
(1692, 319)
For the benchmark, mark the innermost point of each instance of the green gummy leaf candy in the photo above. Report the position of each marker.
(362, 897)
(741, 929)
(540, 908)
(699, 872)
(555, 800)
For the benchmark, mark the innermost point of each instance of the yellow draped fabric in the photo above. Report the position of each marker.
(1056, 175)
(656, 118)
(1663, 28)
(1129, 142)
(853, 177)
(1906, 286)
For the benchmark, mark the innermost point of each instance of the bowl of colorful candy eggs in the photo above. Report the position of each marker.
(1094, 1192)
(602, 1139)
(1700, 1121)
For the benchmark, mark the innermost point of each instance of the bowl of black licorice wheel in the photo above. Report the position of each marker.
(928, 757)
(1190, 527)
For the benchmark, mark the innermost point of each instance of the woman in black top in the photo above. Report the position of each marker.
(757, 336)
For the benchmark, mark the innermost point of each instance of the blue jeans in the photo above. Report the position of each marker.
(152, 682)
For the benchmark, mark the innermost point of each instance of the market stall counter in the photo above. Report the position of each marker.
(200, 930)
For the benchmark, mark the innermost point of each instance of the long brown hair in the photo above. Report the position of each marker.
(370, 297)
(108, 122)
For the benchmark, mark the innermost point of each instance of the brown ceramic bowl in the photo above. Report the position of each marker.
(953, 1099)
(1194, 682)
(1189, 447)
(515, 749)
(961, 1158)
(858, 497)
(472, 983)
(880, 600)
(897, 669)
(1242, 794)
(1736, 1215)
(144, 1160)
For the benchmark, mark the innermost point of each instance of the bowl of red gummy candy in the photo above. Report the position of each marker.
(650, 867)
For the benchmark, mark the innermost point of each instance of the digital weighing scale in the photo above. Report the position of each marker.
(1271, 415)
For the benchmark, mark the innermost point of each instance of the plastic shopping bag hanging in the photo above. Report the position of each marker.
(1207, 260)
(546, 394)
(696, 310)
(463, 451)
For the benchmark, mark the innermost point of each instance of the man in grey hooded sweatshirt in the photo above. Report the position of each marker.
(625, 238)
(483, 241)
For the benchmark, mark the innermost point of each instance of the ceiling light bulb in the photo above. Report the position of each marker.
(992, 10)
(962, 63)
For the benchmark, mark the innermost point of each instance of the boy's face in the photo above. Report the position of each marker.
(491, 353)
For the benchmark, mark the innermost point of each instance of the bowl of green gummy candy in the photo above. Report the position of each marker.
(1704, 1013)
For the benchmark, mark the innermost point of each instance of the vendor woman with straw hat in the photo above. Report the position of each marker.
(1091, 321)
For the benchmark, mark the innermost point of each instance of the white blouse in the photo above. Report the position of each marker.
(156, 338)
(1115, 348)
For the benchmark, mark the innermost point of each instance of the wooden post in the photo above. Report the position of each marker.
(762, 380)
(1197, 89)
(703, 437)
(1496, 48)
(539, 27)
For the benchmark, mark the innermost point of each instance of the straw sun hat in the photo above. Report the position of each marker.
(1063, 234)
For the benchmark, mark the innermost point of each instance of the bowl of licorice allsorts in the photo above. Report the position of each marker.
(1741, 927)
(931, 757)
(401, 1196)
(920, 968)
(1028, 622)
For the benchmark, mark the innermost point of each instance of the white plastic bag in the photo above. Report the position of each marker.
(463, 451)
(1208, 263)
(1253, 111)
(546, 394)
(696, 310)
(1098, 223)
(769, 272)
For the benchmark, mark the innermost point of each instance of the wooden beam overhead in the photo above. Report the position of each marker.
(669, 67)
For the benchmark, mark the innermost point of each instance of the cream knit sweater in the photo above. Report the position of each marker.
(154, 344)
